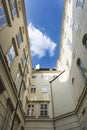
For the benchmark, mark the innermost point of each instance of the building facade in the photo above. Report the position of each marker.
(15, 64)
(68, 109)
(43, 99)
(39, 113)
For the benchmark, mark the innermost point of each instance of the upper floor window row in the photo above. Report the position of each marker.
(80, 3)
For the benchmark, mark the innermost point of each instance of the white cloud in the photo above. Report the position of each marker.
(40, 43)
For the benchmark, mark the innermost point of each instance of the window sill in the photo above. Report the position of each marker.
(43, 116)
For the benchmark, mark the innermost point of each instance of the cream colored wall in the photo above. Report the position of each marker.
(39, 125)
(77, 89)
(41, 97)
(6, 35)
(62, 97)
(70, 122)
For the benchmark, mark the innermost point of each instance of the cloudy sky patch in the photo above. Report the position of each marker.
(40, 43)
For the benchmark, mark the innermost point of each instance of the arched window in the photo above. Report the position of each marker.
(85, 40)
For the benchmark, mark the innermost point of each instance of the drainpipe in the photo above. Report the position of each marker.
(52, 96)
(15, 111)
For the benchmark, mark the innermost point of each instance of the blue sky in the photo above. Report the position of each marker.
(44, 20)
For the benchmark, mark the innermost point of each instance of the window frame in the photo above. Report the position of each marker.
(14, 1)
(30, 110)
(33, 89)
(18, 79)
(9, 56)
(44, 89)
(3, 16)
(43, 111)
(19, 37)
(23, 59)
(80, 3)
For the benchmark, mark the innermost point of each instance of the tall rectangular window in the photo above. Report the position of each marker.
(80, 3)
(30, 110)
(44, 88)
(19, 38)
(33, 88)
(75, 28)
(13, 7)
(10, 55)
(23, 59)
(6, 117)
(43, 110)
(3, 20)
(18, 80)
(23, 88)
(2, 88)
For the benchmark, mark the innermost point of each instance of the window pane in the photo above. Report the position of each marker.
(1, 11)
(45, 113)
(13, 7)
(14, 11)
(3, 20)
(44, 88)
(23, 59)
(19, 38)
(79, 3)
(41, 106)
(11, 55)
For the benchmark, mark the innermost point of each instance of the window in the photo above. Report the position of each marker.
(13, 8)
(69, 1)
(30, 110)
(65, 35)
(75, 28)
(85, 40)
(83, 70)
(3, 20)
(34, 76)
(44, 89)
(67, 63)
(6, 120)
(23, 88)
(79, 3)
(18, 80)
(19, 38)
(15, 47)
(2, 88)
(67, 19)
(73, 80)
(43, 110)
(23, 59)
(70, 45)
(33, 88)
(10, 55)
(7, 114)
